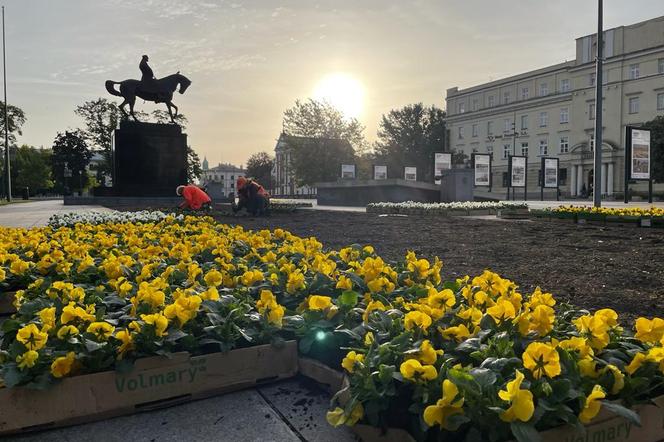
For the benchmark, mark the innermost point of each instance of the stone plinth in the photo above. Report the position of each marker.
(457, 185)
(363, 192)
(149, 160)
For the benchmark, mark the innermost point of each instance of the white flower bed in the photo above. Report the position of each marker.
(144, 216)
(412, 207)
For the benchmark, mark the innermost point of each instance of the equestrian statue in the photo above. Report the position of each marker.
(149, 89)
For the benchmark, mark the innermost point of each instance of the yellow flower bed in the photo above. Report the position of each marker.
(439, 358)
(611, 211)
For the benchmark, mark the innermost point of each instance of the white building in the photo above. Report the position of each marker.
(550, 111)
(221, 178)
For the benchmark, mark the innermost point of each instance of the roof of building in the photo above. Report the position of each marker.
(226, 167)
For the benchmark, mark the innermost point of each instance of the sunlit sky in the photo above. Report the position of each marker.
(250, 60)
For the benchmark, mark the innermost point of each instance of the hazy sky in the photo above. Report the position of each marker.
(250, 60)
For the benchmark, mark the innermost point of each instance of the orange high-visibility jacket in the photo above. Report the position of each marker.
(194, 197)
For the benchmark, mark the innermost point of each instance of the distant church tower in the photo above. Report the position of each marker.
(206, 166)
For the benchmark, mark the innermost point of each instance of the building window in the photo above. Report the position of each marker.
(232, 177)
(591, 79)
(475, 150)
(232, 185)
(591, 111)
(505, 178)
(544, 89)
(461, 132)
(489, 150)
(660, 101)
(474, 130)
(564, 144)
(564, 85)
(476, 104)
(525, 92)
(564, 115)
(524, 149)
(544, 147)
(634, 71)
(592, 142)
(462, 108)
(544, 119)
(492, 99)
(489, 128)
(508, 125)
(506, 97)
(524, 122)
(660, 66)
(634, 105)
(506, 151)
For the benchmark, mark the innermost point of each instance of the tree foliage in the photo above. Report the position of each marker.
(194, 169)
(71, 149)
(259, 167)
(30, 168)
(101, 117)
(320, 139)
(656, 127)
(16, 120)
(319, 119)
(409, 136)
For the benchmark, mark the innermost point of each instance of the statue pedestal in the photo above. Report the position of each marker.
(148, 159)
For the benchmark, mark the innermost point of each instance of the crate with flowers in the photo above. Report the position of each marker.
(117, 315)
(625, 215)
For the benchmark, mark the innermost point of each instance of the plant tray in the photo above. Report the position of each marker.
(329, 378)
(605, 427)
(154, 382)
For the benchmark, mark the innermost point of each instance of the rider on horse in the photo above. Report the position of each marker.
(148, 82)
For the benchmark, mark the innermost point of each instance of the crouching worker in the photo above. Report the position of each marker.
(194, 197)
(252, 197)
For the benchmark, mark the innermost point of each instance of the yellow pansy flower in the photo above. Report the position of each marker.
(417, 319)
(213, 278)
(521, 401)
(32, 337)
(649, 331)
(317, 302)
(62, 366)
(351, 360)
(449, 405)
(592, 405)
(502, 311)
(27, 359)
(414, 371)
(542, 360)
(66, 331)
(102, 330)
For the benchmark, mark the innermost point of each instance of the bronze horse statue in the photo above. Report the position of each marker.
(161, 91)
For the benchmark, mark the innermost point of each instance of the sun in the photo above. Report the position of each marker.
(343, 92)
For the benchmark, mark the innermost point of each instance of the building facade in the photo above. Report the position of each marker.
(283, 175)
(221, 179)
(550, 112)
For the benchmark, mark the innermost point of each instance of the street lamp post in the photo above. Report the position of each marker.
(597, 173)
(8, 179)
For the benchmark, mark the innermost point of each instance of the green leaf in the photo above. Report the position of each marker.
(175, 334)
(349, 298)
(92, 345)
(305, 344)
(11, 375)
(621, 411)
(524, 432)
(486, 378)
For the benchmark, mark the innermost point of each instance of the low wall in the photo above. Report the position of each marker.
(361, 193)
(130, 201)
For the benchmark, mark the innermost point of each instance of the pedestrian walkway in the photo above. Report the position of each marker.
(37, 213)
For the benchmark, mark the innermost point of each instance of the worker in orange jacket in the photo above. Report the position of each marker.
(252, 196)
(194, 197)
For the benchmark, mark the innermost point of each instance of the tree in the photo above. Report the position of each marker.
(16, 119)
(162, 117)
(317, 160)
(656, 127)
(31, 168)
(259, 166)
(101, 117)
(320, 139)
(194, 170)
(319, 119)
(70, 149)
(409, 137)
